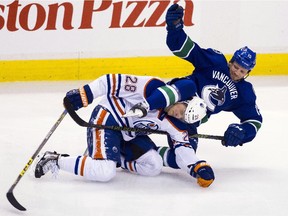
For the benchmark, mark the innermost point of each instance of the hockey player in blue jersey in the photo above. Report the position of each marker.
(133, 151)
(221, 84)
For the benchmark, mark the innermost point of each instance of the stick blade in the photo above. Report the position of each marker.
(14, 202)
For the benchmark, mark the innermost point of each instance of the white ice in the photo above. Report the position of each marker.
(250, 180)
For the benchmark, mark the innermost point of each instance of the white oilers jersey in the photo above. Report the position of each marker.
(121, 92)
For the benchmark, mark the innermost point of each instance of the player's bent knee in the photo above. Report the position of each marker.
(150, 164)
(101, 170)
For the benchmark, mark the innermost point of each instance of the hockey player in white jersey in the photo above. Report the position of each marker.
(133, 151)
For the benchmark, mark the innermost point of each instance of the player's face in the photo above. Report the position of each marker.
(237, 72)
(177, 111)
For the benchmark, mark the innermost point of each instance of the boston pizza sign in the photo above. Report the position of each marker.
(68, 15)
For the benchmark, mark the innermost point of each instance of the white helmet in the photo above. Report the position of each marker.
(195, 111)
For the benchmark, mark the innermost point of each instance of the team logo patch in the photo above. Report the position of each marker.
(145, 124)
(218, 94)
(214, 96)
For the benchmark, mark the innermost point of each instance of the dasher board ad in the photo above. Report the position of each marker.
(133, 32)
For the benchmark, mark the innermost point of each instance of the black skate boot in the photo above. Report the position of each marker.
(49, 161)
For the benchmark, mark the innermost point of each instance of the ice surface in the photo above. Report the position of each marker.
(250, 180)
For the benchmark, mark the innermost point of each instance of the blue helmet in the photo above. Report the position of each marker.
(245, 57)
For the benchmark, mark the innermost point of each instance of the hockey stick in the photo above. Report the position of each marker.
(9, 194)
(83, 123)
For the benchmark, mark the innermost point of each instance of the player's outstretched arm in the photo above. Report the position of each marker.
(238, 134)
(164, 96)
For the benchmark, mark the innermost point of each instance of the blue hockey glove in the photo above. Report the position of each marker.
(80, 97)
(139, 110)
(203, 173)
(174, 17)
(234, 135)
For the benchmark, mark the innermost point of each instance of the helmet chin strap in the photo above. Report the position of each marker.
(247, 75)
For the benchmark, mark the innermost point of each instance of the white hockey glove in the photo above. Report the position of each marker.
(139, 110)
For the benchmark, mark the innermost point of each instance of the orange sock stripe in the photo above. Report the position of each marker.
(98, 151)
(131, 167)
(83, 165)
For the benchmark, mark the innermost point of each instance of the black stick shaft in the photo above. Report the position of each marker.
(9, 194)
(83, 123)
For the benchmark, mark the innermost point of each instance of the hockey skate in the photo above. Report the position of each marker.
(49, 161)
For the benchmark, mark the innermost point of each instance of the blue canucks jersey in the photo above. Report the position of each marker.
(213, 83)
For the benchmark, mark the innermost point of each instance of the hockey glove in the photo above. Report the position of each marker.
(203, 173)
(139, 110)
(174, 17)
(234, 135)
(80, 97)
